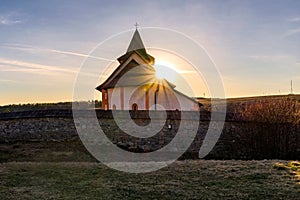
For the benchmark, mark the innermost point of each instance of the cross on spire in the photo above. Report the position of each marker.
(136, 25)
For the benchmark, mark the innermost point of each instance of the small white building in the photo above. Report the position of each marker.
(134, 86)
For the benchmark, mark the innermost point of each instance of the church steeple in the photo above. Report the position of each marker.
(136, 46)
(136, 42)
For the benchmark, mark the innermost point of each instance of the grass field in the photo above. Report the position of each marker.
(182, 180)
(66, 171)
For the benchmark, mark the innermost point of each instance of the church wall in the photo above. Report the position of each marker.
(169, 99)
(105, 98)
(130, 95)
(136, 95)
(114, 98)
(113, 102)
(187, 104)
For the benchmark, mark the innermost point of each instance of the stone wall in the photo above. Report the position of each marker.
(239, 140)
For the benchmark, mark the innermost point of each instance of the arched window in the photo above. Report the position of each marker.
(134, 106)
(114, 107)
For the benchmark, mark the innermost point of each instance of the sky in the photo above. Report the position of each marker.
(254, 43)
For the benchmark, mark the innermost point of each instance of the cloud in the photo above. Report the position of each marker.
(35, 68)
(32, 49)
(11, 68)
(270, 58)
(7, 20)
(22, 66)
(294, 19)
(9, 81)
(80, 54)
(29, 67)
(292, 32)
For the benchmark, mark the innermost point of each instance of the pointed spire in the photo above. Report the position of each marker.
(136, 46)
(136, 42)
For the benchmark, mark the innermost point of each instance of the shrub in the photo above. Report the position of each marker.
(271, 125)
(271, 110)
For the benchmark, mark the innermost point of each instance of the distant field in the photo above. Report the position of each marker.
(47, 106)
(232, 103)
(253, 98)
(68, 105)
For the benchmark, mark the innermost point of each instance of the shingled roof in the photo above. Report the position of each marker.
(137, 76)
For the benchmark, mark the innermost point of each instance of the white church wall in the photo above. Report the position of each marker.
(168, 98)
(131, 95)
(114, 98)
(187, 104)
(135, 95)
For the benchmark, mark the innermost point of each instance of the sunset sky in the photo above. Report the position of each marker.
(255, 43)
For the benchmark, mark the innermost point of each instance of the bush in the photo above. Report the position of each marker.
(272, 127)
(271, 110)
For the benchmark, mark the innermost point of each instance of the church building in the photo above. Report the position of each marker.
(134, 86)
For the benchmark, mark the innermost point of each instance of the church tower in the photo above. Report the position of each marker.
(135, 69)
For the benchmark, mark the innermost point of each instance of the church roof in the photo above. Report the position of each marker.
(131, 74)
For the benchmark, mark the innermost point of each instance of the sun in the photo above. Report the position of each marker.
(165, 70)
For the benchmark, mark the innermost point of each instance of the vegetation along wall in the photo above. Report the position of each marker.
(242, 137)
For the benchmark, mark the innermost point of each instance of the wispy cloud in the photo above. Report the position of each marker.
(8, 20)
(32, 49)
(8, 81)
(11, 68)
(294, 19)
(270, 58)
(29, 67)
(292, 32)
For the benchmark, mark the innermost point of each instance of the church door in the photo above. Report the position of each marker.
(134, 106)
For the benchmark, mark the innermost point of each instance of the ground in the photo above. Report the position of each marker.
(66, 171)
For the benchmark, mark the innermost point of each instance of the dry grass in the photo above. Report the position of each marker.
(292, 167)
(237, 105)
(182, 180)
(281, 110)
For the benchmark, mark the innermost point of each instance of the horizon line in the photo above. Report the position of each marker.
(205, 98)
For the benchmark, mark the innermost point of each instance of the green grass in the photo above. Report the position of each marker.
(182, 180)
(65, 170)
